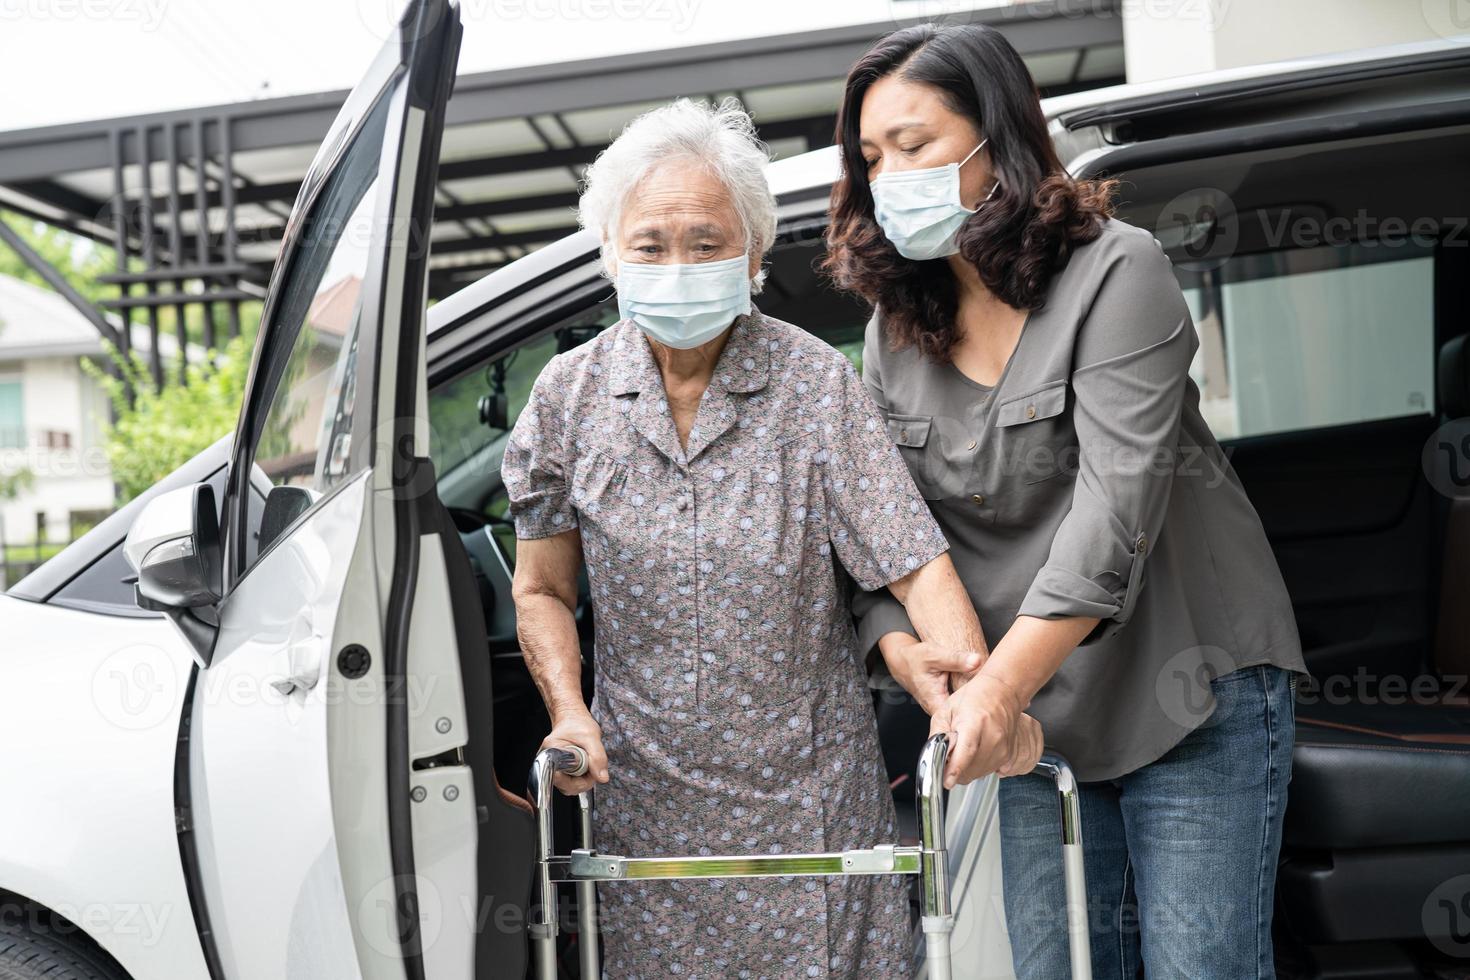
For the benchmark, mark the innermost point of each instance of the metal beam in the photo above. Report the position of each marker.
(58, 282)
(1033, 27)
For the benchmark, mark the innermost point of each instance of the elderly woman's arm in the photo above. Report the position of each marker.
(986, 719)
(933, 605)
(545, 592)
(884, 535)
(536, 470)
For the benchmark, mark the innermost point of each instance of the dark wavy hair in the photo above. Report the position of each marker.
(1017, 241)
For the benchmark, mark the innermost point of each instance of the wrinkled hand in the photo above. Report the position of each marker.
(927, 671)
(988, 730)
(578, 728)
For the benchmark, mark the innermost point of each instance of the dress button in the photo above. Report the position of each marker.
(682, 503)
(970, 444)
(1142, 545)
(1031, 411)
(979, 499)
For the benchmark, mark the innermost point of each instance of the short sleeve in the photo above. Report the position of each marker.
(877, 523)
(1133, 356)
(535, 467)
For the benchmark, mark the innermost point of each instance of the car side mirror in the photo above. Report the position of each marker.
(174, 546)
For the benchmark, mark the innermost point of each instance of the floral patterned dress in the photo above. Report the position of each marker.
(733, 706)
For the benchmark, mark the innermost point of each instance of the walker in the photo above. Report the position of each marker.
(584, 867)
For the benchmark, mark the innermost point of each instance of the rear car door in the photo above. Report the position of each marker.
(331, 812)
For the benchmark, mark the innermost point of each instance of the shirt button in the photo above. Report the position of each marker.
(970, 444)
(1141, 545)
(979, 499)
(1031, 411)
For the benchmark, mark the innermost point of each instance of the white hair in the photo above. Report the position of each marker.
(721, 138)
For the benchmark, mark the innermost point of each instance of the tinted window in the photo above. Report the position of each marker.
(467, 452)
(1316, 337)
(302, 443)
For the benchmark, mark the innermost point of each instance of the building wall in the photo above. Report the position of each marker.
(1168, 38)
(58, 398)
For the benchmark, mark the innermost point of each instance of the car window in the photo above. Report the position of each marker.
(1315, 337)
(303, 440)
(466, 451)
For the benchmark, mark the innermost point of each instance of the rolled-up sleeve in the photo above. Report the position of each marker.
(1133, 354)
(536, 465)
(878, 525)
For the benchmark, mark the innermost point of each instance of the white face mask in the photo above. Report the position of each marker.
(683, 306)
(920, 210)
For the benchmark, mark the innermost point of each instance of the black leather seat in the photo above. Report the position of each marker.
(1384, 775)
(1378, 811)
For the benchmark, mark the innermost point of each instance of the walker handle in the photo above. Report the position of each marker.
(571, 759)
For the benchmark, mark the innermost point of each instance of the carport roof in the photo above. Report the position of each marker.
(515, 144)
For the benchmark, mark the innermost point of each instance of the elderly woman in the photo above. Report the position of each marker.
(710, 466)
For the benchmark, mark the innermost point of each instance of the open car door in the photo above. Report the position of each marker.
(329, 810)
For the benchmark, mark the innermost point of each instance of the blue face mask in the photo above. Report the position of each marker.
(683, 306)
(920, 210)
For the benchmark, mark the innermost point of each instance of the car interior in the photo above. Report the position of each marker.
(1332, 352)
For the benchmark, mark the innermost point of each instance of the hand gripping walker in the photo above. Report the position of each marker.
(584, 867)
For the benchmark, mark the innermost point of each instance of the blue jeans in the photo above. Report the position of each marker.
(1180, 855)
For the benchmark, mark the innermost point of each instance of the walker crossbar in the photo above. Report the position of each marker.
(584, 867)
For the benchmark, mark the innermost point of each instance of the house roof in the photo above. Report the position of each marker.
(37, 322)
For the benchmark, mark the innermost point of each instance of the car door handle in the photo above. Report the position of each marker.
(298, 667)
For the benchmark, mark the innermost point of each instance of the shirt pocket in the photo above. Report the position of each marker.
(912, 435)
(1035, 439)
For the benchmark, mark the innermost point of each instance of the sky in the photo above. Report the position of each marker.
(69, 60)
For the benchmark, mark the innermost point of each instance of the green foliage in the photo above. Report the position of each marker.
(161, 430)
(12, 485)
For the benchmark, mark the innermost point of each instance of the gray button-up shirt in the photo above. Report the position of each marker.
(1086, 483)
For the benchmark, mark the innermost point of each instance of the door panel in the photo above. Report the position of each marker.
(334, 691)
(263, 809)
(1348, 514)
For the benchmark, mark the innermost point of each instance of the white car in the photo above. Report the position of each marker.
(295, 746)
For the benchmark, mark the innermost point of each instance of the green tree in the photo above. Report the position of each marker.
(161, 430)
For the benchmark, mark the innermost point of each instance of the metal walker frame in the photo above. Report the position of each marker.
(929, 859)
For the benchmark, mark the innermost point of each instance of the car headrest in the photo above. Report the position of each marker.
(1454, 377)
